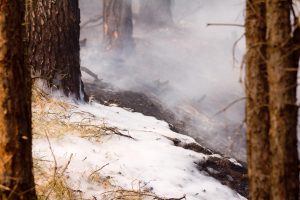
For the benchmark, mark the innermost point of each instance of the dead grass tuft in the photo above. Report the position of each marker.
(53, 186)
(54, 118)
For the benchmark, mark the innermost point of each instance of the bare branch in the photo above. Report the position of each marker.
(224, 24)
(229, 105)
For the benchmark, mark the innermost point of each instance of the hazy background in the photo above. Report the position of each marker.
(196, 63)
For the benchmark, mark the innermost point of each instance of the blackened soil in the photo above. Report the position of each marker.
(138, 102)
(192, 146)
(227, 172)
(221, 168)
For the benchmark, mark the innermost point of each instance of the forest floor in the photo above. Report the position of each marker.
(92, 151)
(229, 174)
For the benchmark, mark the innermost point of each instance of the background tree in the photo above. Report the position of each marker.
(117, 25)
(257, 112)
(155, 13)
(282, 69)
(16, 177)
(53, 39)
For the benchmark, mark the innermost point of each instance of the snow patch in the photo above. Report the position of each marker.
(145, 161)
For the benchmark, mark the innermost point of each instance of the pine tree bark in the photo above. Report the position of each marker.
(16, 177)
(155, 14)
(282, 70)
(257, 112)
(117, 26)
(53, 39)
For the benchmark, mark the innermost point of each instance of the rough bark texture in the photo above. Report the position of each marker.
(53, 39)
(257, 112)
(155, 13)
(16, 177)
(282, 70)
(117, 26)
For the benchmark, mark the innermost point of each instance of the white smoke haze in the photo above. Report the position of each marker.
(193, 61)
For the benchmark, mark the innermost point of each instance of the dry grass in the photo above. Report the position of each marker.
(123, 194)
(56, 118)
(53, 118)
(53, 186)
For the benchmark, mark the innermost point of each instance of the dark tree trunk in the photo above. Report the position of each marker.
(155, 14)
(16, 177)
(282, 70)
(257, 112)
(53, 40)
(117, 26)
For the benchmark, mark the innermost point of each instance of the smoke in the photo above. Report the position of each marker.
(193, 68)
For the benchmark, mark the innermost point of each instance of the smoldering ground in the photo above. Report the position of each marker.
(191, 67)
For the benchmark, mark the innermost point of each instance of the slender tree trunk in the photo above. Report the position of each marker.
(53, 40)
(117, 26)
(16, 177)
(257, 112)
(155, 14)
(282, 70)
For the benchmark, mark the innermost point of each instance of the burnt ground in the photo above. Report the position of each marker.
(221, 168)
(227, 172)
(137, 102)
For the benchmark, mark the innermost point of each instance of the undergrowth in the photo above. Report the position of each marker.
(54, 118)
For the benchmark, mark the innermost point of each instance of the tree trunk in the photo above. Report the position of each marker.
(117, 26)
(155, 14)
(282, 70)
(16, 177)
(257, 112)
(53, 39)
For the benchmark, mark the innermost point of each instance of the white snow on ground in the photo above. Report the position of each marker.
(147, 162)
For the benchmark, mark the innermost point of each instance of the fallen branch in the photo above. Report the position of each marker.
(89, 72)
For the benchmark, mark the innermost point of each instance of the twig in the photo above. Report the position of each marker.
(95, 19)
(229, 105)
(98, 169)
(242, 65)
(145, 194)
(52, 153)
(55, 164)
(225, 24)
(121, 134)
(115, 131)
(67, 165)
(234, 48)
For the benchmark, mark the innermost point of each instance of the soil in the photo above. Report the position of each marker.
(234, 175)
(227, 172)
(137, 102)
(221, 168)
